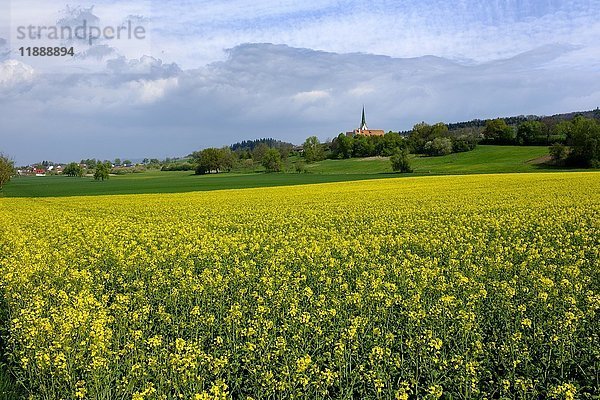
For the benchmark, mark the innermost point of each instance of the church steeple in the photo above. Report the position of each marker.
(363, 124)
(364, 130)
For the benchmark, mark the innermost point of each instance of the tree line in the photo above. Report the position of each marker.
(574, 142)
(215, 160)
(582, 144)
(102, 170)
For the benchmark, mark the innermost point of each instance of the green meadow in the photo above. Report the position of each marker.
(482, 160)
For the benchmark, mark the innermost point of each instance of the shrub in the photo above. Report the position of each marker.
(300, 167)
(439, 147)
(463, 145)
(400, 162)
(559, 153)
(178, 167)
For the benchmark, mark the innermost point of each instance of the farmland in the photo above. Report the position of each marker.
(480, 286)
(165, 182)
(484, 159)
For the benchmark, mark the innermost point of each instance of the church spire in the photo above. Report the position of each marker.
(363, 124)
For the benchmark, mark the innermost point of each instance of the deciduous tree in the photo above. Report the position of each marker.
(7, 170)
(584, 140)
(272, 161)
(400, 161)
(102, 171)
(73, 169)
(498, 132)
(531, 132)
(313, 150)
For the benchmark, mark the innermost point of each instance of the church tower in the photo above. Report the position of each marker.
(364, 128)
(363, 124)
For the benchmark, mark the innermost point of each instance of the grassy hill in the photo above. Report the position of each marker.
(484, 159)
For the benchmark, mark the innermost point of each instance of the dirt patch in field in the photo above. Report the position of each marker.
(374, 158)
(540, 160)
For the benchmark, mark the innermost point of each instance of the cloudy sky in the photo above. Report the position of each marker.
(210, 73)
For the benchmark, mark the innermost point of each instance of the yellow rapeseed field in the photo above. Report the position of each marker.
(441, 287)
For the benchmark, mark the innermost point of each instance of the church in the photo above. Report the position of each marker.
(364, 129)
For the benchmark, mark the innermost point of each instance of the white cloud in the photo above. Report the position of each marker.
(13, 73)
(361, 90)
(150, 91)
(144, 65)
(310, 96)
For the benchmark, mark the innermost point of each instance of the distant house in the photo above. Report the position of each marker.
(40, 172)
(26, 171)
(364, 129)
(298, 149)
